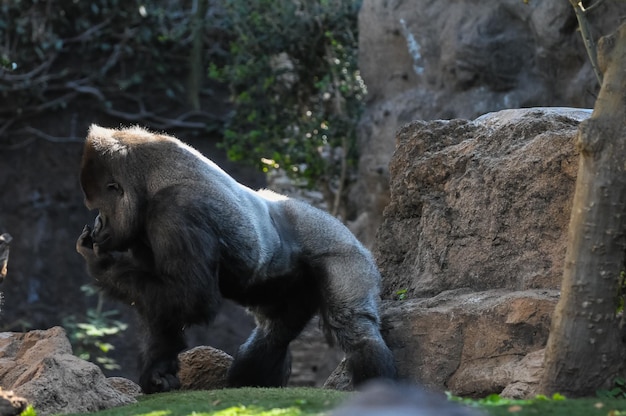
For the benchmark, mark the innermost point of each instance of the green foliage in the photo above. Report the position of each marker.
(497, 400)
(89, 334)
(401, 294)
(29, 411)
(617, 392)
(295, 86)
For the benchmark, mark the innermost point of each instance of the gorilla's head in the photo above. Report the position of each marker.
(111, 184)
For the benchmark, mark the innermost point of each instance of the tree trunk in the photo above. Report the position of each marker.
(197, 71)
(585, 350)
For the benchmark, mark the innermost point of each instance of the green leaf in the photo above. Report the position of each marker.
(29, 411)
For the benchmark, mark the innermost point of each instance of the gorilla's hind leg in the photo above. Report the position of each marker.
(370, 359)
(351, 318)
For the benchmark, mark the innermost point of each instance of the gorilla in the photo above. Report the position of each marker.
(174, 234)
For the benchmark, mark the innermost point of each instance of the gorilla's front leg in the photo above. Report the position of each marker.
(159, 358)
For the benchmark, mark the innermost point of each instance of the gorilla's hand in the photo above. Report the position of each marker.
(87, 246)
(84, 244)
(160, 376)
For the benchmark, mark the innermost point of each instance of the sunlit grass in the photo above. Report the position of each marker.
(233, 402)
(557, 405)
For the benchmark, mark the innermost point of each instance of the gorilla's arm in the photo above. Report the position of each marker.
(129, 277)
(158, 278)
(121, 274)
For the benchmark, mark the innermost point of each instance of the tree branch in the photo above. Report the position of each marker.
(585, 33)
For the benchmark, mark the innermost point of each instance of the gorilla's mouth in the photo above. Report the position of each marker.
(99, 235)
(98, 225)
(101, 239)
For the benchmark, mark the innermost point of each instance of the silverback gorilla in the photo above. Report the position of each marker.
(175, 233)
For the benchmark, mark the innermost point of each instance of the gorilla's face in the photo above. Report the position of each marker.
(112, 230)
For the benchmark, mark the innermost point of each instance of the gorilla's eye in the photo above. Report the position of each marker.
(115, 187)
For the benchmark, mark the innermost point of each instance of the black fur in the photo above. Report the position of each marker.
(174, 234)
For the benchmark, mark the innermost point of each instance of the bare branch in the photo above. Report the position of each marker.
(6, 125)
(163, 122)
(585, 33)
(50, 104)
(55, 139)
(86, 35)
(85, 89)
(4, 76)
(19, 145)
(593, 6)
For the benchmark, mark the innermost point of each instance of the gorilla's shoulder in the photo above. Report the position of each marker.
(271, 195)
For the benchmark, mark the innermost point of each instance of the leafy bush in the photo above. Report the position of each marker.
(295, 86)
(90, 333)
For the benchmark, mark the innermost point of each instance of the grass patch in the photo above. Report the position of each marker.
(542, 406)
(233, 402)
(312, 401)
(569, 407)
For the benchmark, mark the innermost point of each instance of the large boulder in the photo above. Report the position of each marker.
(471, 343)
(39, 366)
(480, 204)
(472, 245)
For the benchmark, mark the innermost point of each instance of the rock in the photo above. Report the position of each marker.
(527, 376)
(340, 378)
(461, 60)
(39, 366)
(10, 404)
(474, 238)
(480, 204)
(203, 368)
(125, 386)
